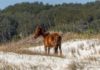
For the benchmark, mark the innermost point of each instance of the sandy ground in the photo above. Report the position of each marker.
(78, 55)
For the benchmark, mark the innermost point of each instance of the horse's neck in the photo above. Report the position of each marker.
(46, 34)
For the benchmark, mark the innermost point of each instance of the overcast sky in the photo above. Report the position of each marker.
(5, 3)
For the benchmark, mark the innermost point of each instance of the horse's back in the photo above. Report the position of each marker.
(52, 39)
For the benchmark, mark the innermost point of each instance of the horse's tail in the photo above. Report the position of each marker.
(61, 34)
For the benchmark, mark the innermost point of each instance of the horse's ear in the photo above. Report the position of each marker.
(38, 26)
(43, 27)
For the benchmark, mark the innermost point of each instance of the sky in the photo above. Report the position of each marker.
(5, 3)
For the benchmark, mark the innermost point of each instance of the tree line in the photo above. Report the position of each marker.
(20, 20)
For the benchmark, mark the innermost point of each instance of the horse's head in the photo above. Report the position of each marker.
(39, 31)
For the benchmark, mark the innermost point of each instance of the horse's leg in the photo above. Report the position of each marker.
(48, 50)
(56, 50)
(45, 49)
(60, 49)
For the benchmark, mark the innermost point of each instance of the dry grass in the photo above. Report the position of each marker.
(91, 58)
(7, 66)
(72, 66)
(70, 36)
(18, 46)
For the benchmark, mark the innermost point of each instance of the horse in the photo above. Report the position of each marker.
(51, 40)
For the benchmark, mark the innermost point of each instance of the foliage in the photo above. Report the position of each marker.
(20, 20)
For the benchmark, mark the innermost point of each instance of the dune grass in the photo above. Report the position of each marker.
(18, 46)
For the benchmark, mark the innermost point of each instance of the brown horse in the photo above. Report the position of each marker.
(51, 40)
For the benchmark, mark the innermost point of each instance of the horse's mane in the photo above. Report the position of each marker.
(47, 33)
